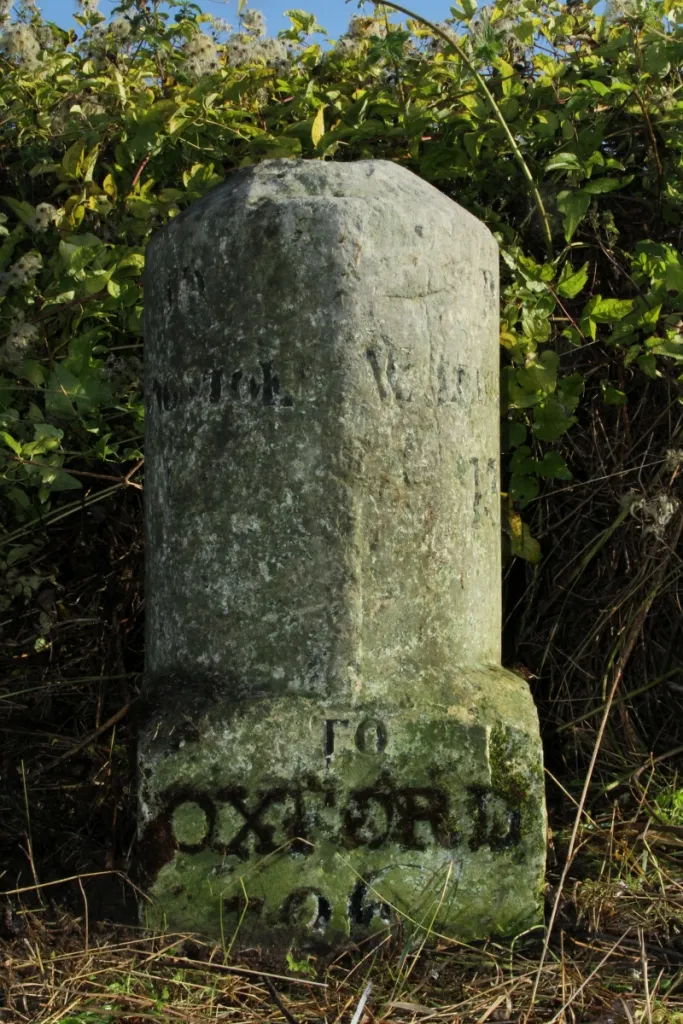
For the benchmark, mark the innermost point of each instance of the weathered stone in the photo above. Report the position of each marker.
(330, 741)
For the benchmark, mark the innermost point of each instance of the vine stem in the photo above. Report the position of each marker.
(450, 38)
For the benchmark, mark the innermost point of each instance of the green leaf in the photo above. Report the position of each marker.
(42, 431)
(19, 497)
(649, 318)
(10, 442)
(553, 467)
(318, 127)
(572, 281)
(522, 462)
(473, 142)
(300, 966)
(72, 160)
(469, 7)
(540, 375)
(96, 281)
(509, 108)
(109, 186)
(648, 364)
(598, 186)
(596, 85)
(606, 311)
(510, 80)
(513, 434)
(64, 481)
(574, 206)
(523, 488)
(59, 480)
(24, 211)
(89, 163)
(77, 251)
(522, 544)
(547, 123)
(673, 280)
(631, 353)
(63, 392)
(142, 209)
(612, 395)
(656, 58)
(303, 22)
(564, 162)
(552, 419)
(44, 168)
(671, 347)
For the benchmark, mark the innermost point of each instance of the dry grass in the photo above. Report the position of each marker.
(59, 972)
(615, 956)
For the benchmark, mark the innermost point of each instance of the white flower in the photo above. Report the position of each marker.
(88, 6)
(347, 45)
(18, 341)
(120, 28)
(95, 37)
(45, 214)
(20, 41)
(361, 27)
(45, 37)
(243, 49)
(437, 44)
(5, 8)
(219, 24)
(254, 23)
(202, 55)
(25, 268)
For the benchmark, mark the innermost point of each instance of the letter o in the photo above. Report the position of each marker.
(192, 820)
(371, 736)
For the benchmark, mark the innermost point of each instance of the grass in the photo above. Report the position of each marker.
(53, 975)
(614, 956)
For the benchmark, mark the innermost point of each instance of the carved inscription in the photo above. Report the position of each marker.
(235, 822)
(455, 384)
(370, 736)
(260, 387)
(381, 814)
(309, 909)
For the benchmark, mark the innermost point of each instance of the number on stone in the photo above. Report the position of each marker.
(307, 909)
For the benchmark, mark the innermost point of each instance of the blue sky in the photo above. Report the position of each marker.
(332, 14)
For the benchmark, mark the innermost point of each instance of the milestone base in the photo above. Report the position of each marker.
(290, 822)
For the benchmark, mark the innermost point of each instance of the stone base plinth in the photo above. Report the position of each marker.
(292, 822)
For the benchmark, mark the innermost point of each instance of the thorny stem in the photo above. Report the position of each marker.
(451, 39)
(123, 480)
(61, 513)
(139, 172)
(564, 309)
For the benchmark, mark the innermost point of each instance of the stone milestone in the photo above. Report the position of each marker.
(330, 745)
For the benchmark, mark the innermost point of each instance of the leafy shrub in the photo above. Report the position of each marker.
(561, 128)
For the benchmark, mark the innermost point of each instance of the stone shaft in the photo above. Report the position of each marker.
(329, 729)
